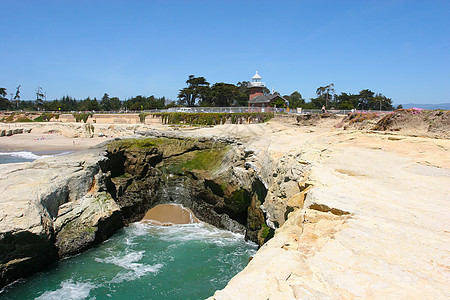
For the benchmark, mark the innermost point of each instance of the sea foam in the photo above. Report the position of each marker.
(25, 155)
(132, 269)
(69, 290)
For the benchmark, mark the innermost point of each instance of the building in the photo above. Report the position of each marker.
(257, 97)
(256, 86)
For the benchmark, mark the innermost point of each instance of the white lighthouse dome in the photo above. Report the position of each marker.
(256, 76)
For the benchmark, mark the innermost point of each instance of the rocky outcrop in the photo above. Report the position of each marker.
(61, 206)
(208, 176)
(38, 204)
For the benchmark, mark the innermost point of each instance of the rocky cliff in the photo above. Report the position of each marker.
(60, 206)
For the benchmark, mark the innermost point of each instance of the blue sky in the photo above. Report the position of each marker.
(126, 48)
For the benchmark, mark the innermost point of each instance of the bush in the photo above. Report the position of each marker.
(210, 118)
(24, 119)
(82, 116)
(39, 119)
(360, 117)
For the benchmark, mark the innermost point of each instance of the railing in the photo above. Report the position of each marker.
(220, 110)
(256, 84)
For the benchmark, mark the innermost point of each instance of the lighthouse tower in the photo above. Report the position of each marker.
(256, 86)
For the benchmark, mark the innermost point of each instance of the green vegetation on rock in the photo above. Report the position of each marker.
(265, 233)
(240, 199)
(135, 143)
(208, 160)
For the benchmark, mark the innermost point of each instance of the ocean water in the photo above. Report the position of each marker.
(25, 156)
(144, 261)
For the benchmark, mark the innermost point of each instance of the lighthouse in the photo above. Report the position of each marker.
(257, 99)
(256, 86)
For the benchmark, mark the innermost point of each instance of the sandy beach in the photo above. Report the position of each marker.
(46, 143)
(169, 214)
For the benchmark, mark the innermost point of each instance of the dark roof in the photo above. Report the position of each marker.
(265, 98)
(260, 99)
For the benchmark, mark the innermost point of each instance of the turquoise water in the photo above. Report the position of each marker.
(144, 262)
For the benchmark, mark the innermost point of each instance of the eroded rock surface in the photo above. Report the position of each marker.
(30, 208)
(61, 206)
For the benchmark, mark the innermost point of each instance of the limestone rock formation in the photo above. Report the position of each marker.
(32, 205)
(62, 205)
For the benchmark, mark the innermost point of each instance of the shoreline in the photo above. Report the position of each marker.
(47, 143)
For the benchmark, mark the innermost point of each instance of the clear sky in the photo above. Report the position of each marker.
(127, 48)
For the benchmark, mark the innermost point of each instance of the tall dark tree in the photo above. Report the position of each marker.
(17, 96)
(143, 103)
(243, 94)
(346, 101)
(296, 100)
(89, 104)
(39, 98)
(105, 104)
(326, 93)
(224, 94)
(115, 103)
(364, 99)
(4, 102)
(196, 91)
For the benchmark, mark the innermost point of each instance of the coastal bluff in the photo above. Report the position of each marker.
(36, 200)
(354, 213)
(62, 205)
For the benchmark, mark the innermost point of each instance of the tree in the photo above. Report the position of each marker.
(17, 96)
(295, 100)
(224, 94)
(346, 101)
(278, 102)
(380, 102)
(243, 94)
(197, 89)
(4, 103)
(89, 104)
(364, 99)
(142, 103)
(115, 103)
(105, 104)
(326, 93)
(39, 98)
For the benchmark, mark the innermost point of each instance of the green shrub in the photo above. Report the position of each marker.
(24, 119)
(39, 119)
(82, 116)
(205, 119)
(142, 117)
(10, 118)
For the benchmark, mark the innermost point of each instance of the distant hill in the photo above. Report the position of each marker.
(427, 106)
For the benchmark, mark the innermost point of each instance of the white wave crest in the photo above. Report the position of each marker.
(25, 154)
(129, 262)
(69, 290)
(195, 232)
